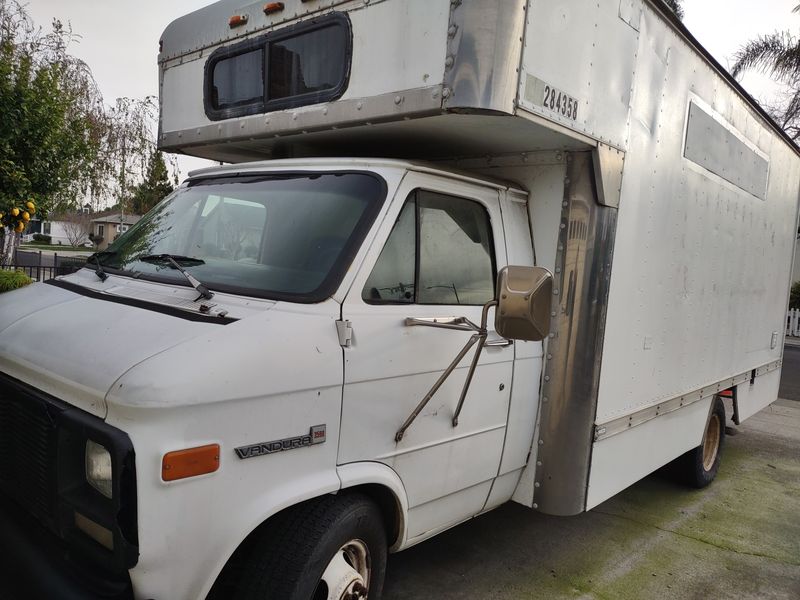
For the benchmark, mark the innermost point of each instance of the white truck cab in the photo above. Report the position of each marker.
(475, 268)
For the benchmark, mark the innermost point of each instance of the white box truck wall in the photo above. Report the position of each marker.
(335, 382)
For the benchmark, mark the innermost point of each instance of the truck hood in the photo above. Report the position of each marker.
(73, 342)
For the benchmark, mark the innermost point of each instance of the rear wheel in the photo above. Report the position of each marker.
(331, 548)
(699, 466)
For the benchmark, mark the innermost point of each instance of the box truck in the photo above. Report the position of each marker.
(464, 253)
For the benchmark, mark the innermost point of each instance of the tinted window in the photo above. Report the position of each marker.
(305, 64)
(238, 80)
(456, 264)
(392, 278)
(277, 236)
(440, 251)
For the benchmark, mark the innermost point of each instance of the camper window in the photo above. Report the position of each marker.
(294, 66)
(239, 80)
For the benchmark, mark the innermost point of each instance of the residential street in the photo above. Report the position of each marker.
(739, 538)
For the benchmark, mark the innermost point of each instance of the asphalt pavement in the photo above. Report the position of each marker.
(738, 538)
(790, 373)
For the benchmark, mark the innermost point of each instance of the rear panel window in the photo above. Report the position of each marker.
(296, 66)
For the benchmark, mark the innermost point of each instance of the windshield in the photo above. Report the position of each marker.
(282, 236)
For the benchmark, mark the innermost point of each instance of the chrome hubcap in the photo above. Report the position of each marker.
(347, 575)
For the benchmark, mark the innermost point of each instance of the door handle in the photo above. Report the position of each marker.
(498, 343)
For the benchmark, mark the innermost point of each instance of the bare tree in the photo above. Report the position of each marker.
(77, 227)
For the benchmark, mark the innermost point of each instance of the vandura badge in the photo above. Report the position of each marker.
(316, 435)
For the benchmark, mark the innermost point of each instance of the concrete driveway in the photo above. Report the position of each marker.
(739, 538)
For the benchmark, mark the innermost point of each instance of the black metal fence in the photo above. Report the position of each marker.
(41, 267)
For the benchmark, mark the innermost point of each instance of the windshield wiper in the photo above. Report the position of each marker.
(96, 256)
(174, 260)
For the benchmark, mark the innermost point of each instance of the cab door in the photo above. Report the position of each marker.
(436, 256)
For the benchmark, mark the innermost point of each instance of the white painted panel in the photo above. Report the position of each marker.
(438, 470)
(398, 46)
(762, 393)
(524, 402)
(427, 520)
(714, 145)
(588, 50)
(390, 367)
(182, 96)
(544, 182)
(502, 489)
(524, 409)
(701, 268)
(624, 459)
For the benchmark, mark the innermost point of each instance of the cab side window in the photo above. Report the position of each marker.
(440, 251)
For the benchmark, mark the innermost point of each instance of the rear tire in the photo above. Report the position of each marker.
(699, 466)
(328, 548)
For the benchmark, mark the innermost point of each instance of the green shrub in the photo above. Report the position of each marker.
(11, 280)
(794, 299)
(42, 238)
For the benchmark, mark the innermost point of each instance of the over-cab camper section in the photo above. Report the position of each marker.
(662, 198)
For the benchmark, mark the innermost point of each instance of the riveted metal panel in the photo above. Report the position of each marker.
(209, 26)
(701, 266)
(397, 72)
(584, 52)
(483, 55)
(572, 367)
(715, 145)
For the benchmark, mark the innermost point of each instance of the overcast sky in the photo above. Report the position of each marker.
(119, 40)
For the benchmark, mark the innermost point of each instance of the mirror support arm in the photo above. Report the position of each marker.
(479, 337)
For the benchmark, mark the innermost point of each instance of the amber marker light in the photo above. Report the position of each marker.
(191, 462)
(273, 7)
(237, 20)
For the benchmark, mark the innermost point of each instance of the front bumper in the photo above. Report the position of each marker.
(36, 564)
(45, 551)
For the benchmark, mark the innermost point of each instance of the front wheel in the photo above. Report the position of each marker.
(699, 466)
(331, 548)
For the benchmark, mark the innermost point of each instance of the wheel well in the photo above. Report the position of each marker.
(231, 572)
(387, 502)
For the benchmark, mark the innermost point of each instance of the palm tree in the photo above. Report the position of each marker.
(676, 7)
(778, 55)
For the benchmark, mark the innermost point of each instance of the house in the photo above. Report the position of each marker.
(65, 228)
(57, 230)
(107, 228)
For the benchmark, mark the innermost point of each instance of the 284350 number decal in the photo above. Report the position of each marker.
(560, 102)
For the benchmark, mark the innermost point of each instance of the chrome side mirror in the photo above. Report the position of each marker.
(524, 295)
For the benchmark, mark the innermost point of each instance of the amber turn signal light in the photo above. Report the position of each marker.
(273, 7)
(191, 462)
(237, 20)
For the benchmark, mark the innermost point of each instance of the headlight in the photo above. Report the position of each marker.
(98, 468)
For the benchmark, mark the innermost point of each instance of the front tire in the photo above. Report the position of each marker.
(331, 548)
(699, 466)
